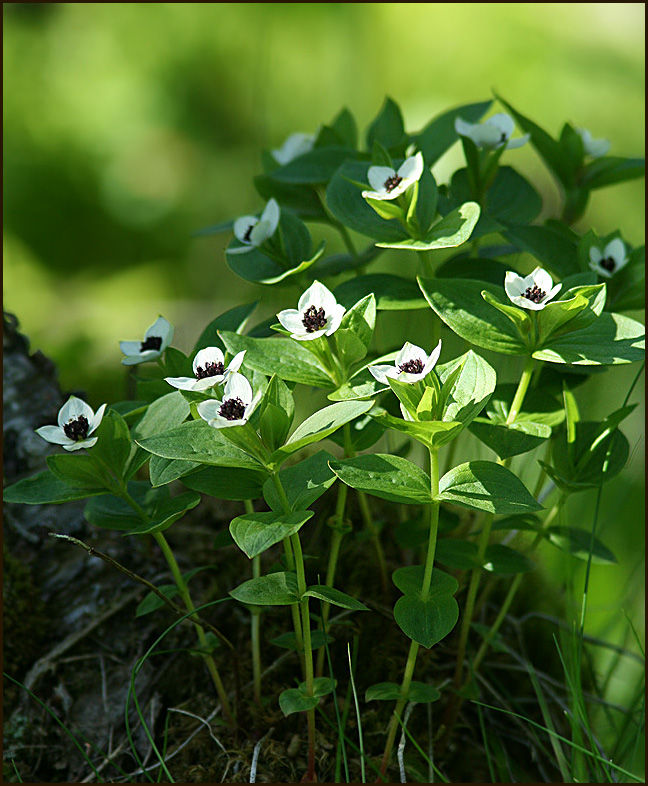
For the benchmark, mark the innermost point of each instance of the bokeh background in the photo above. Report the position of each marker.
(129, 126)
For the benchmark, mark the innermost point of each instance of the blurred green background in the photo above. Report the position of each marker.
(128, 126)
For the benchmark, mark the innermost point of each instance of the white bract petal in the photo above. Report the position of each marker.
(156, 339)
(493, 133)
(411, 365)
(317, 314)
(294, 146)
(594, 148)
(610, 260)
(76, 421)
(253, 231)
(532, 292)
(387, 183)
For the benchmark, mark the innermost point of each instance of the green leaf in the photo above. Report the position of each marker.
(46, 489)
(539, 406)
(409, 581)
(166, 513)
(235, 483)
(577, 309)
(78, 471)
(170, 410)
(289, 641)
(294, 700)
(520, 319)
(392, 293)
(387, 127)
(114, 442)
(354, 335)
(388, 477)
(457, 554)
(277, 411)
(511, 440)
(255, 533)
(426, 622)
(197, 441)
(549, 149)
(556, 251)
(163, 470)
(578, 543)
(152, 602)
(505, 561)
(318, 426)
(484, 485)
(316, 166)
(610, 170)
(432, 433)
(345, 201)
(426, 202)
(467, 384)
(439, 134)
(111, 512)
(419, 692)
(611, 340)
(461, 306)
(282, 356)
(275, 589)
(362, 384)
(451, 231)
(337, 598)
(233, 320)
(345, 127)
(303, 483)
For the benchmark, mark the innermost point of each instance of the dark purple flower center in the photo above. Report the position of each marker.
(314, 319)
(77, 429)
(210, 370)
(608, 264)
(535, 294)
(392, 182)
(232, 409)
(412, 366)
(248, 233)
(152, 342)
(502, 138)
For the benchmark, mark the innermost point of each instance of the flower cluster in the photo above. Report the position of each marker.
(76, 422)
(388, 183)
(533, 291)
(209, 370)
(253, 232)
(412, 365)
(156, 339)
(493, 133)
(317, 314)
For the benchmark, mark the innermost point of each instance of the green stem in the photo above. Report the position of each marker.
(522, 388)
(290, 563)
(308, 650)
(202, 639)
(425, 590)
(255, 622)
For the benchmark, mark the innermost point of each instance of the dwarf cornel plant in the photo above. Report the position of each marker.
(220, 422)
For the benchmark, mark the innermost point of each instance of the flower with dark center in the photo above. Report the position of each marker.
(412, 364)
(76, 422)
(317, 314)
(532, 292)
(232, 409)
(314, 319)
(236, 407)
(493, 133)
(152, 342)
(535, 294)
(387, 183)
(77, 429)
(156, 339)
(209, 369)
(609, 260)
(252, 232)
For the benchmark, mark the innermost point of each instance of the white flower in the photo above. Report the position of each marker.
(412, 364)
(76, 421)
(253, 231)
(209, 370)
(156, 339)
(594, 148)
(607, 262)
(317, 314)
(492, 133)
(294, 146)
(235, 408)
(387, 183)
(533, 291)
